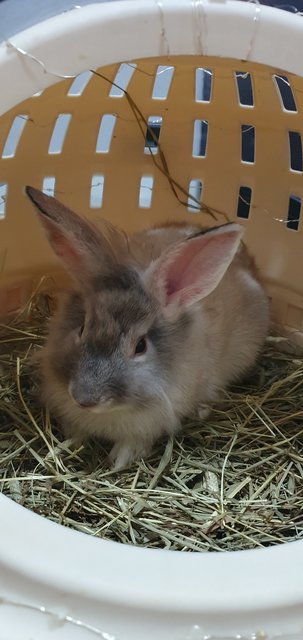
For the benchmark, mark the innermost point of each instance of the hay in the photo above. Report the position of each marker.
(234, 482)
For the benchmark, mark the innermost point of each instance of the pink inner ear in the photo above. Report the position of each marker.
(196, 268)
(185, 270)
(62, 245)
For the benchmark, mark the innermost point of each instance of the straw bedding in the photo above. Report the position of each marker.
(233, 482)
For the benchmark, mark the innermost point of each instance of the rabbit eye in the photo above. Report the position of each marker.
(81, 331)
(141, 346)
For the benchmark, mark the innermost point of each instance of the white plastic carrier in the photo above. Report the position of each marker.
(183, 64)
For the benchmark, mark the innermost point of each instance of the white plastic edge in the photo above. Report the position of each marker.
(100, 34)
(267, 582)
(262, 580)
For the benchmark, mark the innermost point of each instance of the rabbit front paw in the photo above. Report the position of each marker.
(122, 455)
(201, 412)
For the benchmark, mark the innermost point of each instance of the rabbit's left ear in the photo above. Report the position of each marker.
(190, 270)
(84, 250)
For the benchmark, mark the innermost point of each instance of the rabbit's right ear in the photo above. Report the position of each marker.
(190, 270)
(83, 250)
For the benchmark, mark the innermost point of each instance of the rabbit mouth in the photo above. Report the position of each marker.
(107, 407)
(93, 403)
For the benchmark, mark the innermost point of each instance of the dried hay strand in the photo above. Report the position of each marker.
(233, 482)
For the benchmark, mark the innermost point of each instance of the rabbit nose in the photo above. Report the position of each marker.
(83, 398)
(86, 404)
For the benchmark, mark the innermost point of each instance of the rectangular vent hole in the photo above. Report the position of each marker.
(285, 93)
(96, 191)
(194, 195)
(294, 212)
(203, 85)
(48, 185)
(3, 195)
(79, 83)
(247, 143)
(295, 151)
(146, 192)
(122, 79)
(105, 134)
(152, 134)
(14, 136)
(244, 202)
(244, 88)
(59, 133)
(200, 138)
(163, 78)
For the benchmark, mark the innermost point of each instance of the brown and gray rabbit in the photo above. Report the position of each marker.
(157, 324)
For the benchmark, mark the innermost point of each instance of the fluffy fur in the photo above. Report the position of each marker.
(197, 343)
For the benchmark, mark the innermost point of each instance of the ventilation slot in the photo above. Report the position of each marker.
(122, 79)
(247, 143)
(203, 85)
(3, 195)
(244, 202)
(146, 192)
(152, 134)
(294, 212)
(79, 83)
(295, 151)
(14, 136)
(96, 192)
(48, 185)
(195, 195)
(59, 133)
(200, 138)
(105, 134)
(285, 93)
(164, 76)
(244, 88)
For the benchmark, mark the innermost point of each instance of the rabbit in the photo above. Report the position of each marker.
(156, 325)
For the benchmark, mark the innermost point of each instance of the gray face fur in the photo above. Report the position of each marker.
(99, 367)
